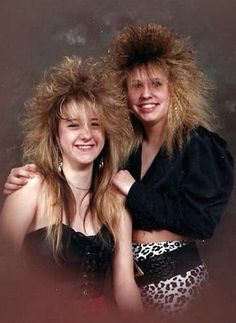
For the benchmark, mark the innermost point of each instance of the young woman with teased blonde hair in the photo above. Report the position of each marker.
(69, 211)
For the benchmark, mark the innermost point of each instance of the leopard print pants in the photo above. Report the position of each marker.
(173, 295)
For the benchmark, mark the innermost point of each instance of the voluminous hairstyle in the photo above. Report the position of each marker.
(155, 46)
(75, 81)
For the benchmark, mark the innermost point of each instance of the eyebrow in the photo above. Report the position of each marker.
(77, 119)
(156, 79)
(69, 120)
(140, 80)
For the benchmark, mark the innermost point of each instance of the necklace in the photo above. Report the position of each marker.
(77, 187)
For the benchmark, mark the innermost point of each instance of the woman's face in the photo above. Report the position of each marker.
(81, 138)
(148, 95)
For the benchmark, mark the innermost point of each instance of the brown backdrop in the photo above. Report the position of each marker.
(34, 36)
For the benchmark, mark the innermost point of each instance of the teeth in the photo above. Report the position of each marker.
(84, 147)
(148, 106)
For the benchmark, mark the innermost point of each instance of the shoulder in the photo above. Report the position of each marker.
(24, 200)
(203, 139)
(36, 182)
(19, 210)
(30, 191)
(207, 148)
(203, 135)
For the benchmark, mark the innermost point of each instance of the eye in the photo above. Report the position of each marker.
(135, 85)
(156, 83)
(73, 125)
(95, 124)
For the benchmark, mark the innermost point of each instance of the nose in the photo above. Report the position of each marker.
(146, 92)
(85, 133)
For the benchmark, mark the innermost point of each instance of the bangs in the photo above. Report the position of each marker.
(153, 67)
(71, 109)
(149, 69)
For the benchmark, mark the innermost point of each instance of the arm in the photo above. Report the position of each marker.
(18, 177)
(18, 213)
(126, 292)
(196, 206)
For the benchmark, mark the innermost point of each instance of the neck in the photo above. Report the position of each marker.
(79, 179)
(154, 135)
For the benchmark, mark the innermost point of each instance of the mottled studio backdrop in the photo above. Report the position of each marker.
(36, 34)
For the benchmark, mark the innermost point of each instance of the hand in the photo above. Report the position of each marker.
(123, 181)
(18, 177)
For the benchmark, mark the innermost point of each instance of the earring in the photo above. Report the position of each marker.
(60, 166)
(101, 164)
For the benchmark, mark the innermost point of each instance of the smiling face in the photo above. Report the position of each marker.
(81, 135)
(148, 95)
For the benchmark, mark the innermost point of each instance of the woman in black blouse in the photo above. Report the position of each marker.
(179, 180)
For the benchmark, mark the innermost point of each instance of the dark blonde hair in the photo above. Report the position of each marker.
(74, 80)
(153, 46)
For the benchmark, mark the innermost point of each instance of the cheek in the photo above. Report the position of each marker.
(64, 140)
(132, 104)
(132, 98)
(61, 135)
(63, 144)
(102, 141)
(99, 136)
(164, 96)
(167, 93)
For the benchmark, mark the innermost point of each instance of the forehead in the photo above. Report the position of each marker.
(145, 72)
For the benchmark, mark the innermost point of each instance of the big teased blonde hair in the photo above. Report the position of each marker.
(69, 81)
(153, 46)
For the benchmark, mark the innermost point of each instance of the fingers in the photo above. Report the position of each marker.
(120, 176)
(16, 180)
(10, 188)
(27, 171)
(123, 181)
(114, 179)
(18, 177)
(31, 168)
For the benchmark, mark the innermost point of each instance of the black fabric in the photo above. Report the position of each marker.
(186, 193)
(82, 270)
(168, 264)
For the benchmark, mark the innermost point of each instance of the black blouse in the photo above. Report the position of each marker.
(185, 193)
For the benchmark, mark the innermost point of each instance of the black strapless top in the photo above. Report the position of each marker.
(84, 267)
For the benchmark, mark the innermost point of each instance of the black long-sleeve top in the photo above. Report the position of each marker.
(185, 193)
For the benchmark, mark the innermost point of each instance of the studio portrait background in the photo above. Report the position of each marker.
(35, 35)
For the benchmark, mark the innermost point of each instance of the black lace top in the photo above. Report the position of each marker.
(83, 269)
(187, 193)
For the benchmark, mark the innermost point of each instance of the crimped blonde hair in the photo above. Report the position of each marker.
(153, 46)
(75, 81)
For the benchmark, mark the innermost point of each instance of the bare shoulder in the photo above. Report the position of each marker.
(31, 190)
(34, 184)
(19, 210)
(35, 181)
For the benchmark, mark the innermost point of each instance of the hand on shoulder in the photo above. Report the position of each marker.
(18, 177)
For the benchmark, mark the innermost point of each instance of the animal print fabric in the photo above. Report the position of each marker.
(173, 295)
